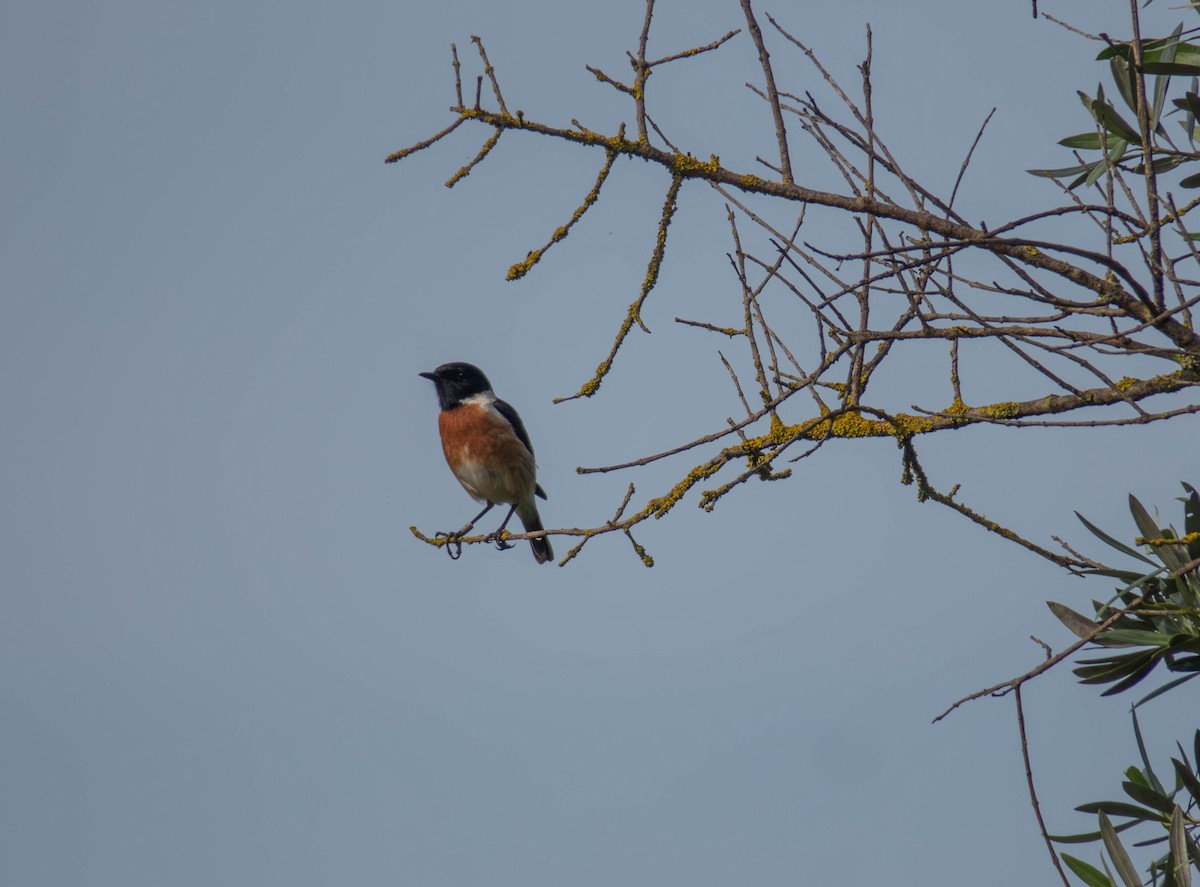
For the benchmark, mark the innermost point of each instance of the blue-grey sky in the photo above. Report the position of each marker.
(223, 658)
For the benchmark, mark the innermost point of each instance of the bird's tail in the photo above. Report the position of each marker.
(532, 522)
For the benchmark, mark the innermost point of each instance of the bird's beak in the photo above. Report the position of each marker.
(432, 377)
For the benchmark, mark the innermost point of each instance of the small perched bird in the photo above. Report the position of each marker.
(488, 450)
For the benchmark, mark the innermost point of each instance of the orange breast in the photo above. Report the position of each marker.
(485, 455)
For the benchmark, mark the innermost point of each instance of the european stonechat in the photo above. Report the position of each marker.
(488, 450)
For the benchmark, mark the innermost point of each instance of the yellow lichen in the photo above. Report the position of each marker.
(1158, 543)
(778, 433)
(520, 269)
(661, 505)
(686, 164)
(855, 425)
(1006, 410)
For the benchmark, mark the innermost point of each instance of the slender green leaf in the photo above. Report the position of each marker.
(1165, 164)
(1184, 642)
(1081, 838)
(1061, 173)
(1147, 796)
(1119, 668)
(1118, 663)
(1189, 129)
(1133, 774)
(1145, 523)
(1168, 686)
(1104, 640)
(1193, 849)
(1109, 540)
(1107, 871)
(1116, 668)
(1125, 661)
(1160, 84)
(1095, 171)
(1098, 168)
(1191, 518)
(1120, 808)
(1106, 671)
(1148, 527)
(1138, 637)
(1193, 97)
(1152, 50)
(1118, 854)
(1086, 872)
(1122, 73)
(1186, 69)
(1132, 680)
(1080, 626)
(1088, 837)
(1179, 48)
(1188, 777)
(1115, 123)
(1151, 777)
(1154, 54)
(1088, 141)
(1151, 842)
(1187, 586)
(1127, 576)
(1178, 860)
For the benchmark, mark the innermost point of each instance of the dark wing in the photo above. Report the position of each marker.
(505, 409)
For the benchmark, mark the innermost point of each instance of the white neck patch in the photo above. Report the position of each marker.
(485, 399)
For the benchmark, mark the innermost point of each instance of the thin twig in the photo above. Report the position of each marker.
(422, 145)
(1033, 798)
(764, 59)
(970, 152)
(491, 75)
(1005, 687)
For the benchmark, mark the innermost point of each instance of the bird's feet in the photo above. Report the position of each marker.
(454, 541)
(498, 538)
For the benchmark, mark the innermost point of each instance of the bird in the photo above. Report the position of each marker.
(489, 452)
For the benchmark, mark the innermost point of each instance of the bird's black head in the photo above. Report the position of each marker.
(456, 382)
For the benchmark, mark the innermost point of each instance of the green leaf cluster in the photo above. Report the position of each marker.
(1163, 625)
(1151, 803)
(1157, 612)
(1113, 133)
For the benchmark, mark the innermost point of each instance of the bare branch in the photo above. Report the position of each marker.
(1065, 312)
(764, 59)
